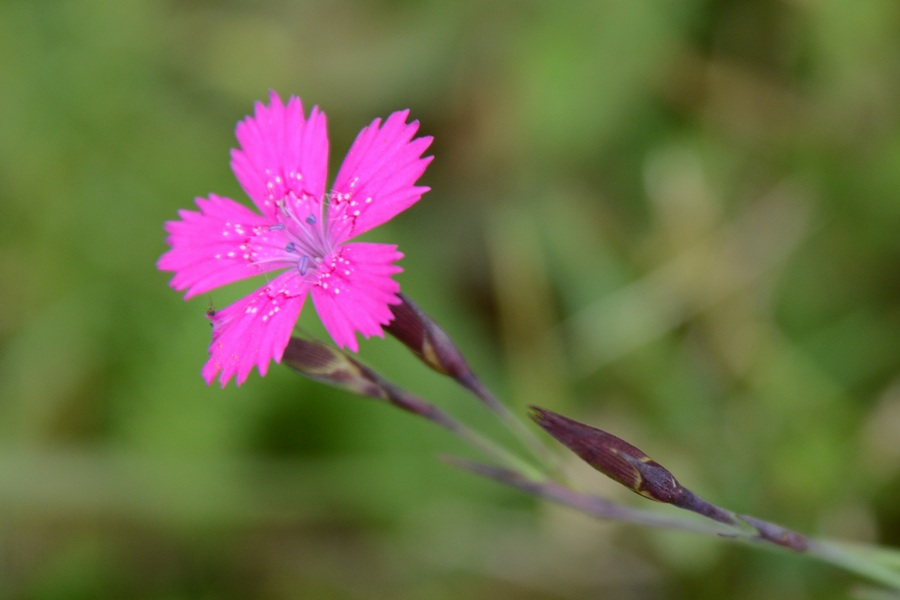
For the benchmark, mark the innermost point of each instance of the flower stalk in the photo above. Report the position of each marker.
(322, 363)
(431, 344)
(863, 561)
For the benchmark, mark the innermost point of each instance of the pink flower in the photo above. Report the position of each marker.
(281, 165)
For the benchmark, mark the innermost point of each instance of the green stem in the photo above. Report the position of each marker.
(548, 461)
(855, 560)
(511, 460)
(402, 399)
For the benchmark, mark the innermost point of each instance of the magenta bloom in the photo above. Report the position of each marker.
(281, 165)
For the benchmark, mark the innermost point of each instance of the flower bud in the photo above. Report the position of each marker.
(422, 335)
(614, 457)
(325, 364)
(626, 464)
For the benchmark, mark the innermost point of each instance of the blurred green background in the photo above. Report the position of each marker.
(677, 221)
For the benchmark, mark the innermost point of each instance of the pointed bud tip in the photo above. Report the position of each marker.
(537, 414)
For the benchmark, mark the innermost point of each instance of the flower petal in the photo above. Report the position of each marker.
(354, 291)
(375, 181)
(222, 243)
(255, 329)
(281, 153)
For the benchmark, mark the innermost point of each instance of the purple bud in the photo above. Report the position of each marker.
(626, 464)
(613, 456)
(325, 364)
(328, 365)
(428, 341)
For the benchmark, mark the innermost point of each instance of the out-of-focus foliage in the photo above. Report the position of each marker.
(679, 221)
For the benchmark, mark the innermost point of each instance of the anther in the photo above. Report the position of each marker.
(311, 219)
(290, 247)
(304, 265)
(277, 227)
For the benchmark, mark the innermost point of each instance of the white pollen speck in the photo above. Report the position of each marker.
(231, 255)
(337, 290)
(369, 200)
(218, 256)
(355, 213)
(346, 271)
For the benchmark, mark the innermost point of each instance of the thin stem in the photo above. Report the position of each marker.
(547, 459)
(487, 446)
(402, 399)
(889, 557)
(588, 504)
(855, 560)
(328, 365)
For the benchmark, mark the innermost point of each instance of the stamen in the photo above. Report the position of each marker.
(304, 265)
(311, 219)
(277, 227)
(291, 246)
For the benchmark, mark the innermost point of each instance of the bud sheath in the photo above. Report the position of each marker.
(418, 332)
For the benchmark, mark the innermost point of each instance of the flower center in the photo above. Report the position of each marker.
(308, 242)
